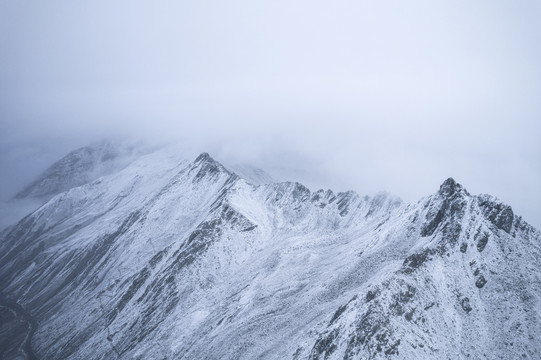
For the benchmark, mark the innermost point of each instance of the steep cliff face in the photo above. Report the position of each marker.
(168, 258)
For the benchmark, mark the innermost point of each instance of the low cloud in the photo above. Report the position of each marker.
(343, 95)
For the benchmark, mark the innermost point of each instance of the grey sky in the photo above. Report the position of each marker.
(381, 95)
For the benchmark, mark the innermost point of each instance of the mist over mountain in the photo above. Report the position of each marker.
(165, 256)
(366, 96)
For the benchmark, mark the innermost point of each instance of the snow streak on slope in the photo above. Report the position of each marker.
(170, 258)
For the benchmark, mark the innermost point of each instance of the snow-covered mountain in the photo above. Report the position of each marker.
(80, 167)
(77, 168)
(186, 259)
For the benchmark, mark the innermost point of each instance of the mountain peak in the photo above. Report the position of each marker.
(450, 187)
(446, 206)
(204, 156)
(207, 166)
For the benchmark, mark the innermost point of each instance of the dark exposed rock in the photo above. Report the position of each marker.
(400, 299)
(344, 201)
(409, 314)
(481, 281)
(430, 227)
(300, 193)
(289, 190)
(368, 326)
(447, 209)
(393, 349)
(415, 261)
(406, 295)
(322, 198)
(450, 211)
(157, 258)
(463, 247)
(482, 242)
(137, 282)
(371, 295)
(249, 228)
(451, 233)
(324, 346)
(318, 195)
(337, 314)
(500, 215)
(203, 157)
(449, 187)
(373, 335)
(465, 303)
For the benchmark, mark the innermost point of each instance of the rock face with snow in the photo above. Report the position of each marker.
(170, 258)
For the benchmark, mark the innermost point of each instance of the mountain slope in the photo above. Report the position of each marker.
(169, 258)
(469, 289)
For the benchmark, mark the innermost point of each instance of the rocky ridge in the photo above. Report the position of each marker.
(169, 258)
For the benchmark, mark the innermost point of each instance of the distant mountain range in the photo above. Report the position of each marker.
(149, 255)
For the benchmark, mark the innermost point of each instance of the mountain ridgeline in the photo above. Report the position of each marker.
(168, 258)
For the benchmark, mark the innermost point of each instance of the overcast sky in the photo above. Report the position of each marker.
(370, 96)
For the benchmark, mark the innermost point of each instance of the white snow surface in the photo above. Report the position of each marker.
(175, 258)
